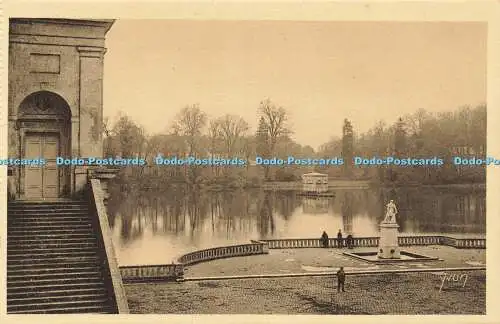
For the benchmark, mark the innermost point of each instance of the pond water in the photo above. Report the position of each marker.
(156, 228)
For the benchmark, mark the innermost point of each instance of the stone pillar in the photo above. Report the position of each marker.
(90, 118)
(388, 247)
(91, 72)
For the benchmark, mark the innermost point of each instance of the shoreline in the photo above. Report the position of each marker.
(333, 185)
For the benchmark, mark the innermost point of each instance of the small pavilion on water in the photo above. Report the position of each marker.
(314, 182)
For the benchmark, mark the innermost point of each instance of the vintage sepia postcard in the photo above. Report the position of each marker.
(240, 159)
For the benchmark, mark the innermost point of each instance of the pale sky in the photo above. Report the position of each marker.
(321, 72)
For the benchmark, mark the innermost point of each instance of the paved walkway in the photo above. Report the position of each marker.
(407, 294)
(314, 260)
(402, 293)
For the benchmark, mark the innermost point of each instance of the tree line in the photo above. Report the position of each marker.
(194, 133)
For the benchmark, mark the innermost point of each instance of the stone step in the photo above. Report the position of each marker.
(54, 233)
(59, 292)
(69, 221)
(58, 236)
(47, 284)
(14, 247)
(35, 209)
(71, 269)
(54, 306)
(67, 310)
(48, 290)
(45, 213)
(68, 291)
(20, 212)
(52, 260)
(49, 255)
(38, 277)
(17, 207)
(91, 295)
(48, 228)
(47, 203)
(50, 264)
(56, 240)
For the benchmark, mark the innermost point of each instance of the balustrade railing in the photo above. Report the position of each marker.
(224, 252)
(151, 272)
(470, 243)
(478, 243)
(175, 271)
(419, 240)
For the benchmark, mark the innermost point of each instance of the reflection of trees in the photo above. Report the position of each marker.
(285, 203)
(131, 221)
(227, 213)
(193, 211)
(265, 221)
(354, 199)
(236, 214)
(438, 210)
(315, 205)
(347, 212)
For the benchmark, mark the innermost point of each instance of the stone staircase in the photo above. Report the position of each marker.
(53, 260)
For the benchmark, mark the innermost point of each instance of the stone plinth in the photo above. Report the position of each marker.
(388, 247)
(104, 175)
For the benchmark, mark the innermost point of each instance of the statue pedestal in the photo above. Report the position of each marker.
(388, 247)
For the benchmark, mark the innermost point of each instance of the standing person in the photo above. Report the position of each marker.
(349, 241)
(324, 239)
(339, 238)
(340, 279)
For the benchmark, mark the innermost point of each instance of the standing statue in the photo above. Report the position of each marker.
(391, 211)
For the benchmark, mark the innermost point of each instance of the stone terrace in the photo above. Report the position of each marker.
(284, 261)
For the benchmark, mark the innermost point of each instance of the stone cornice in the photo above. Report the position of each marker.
(103, 23)
(88, 51)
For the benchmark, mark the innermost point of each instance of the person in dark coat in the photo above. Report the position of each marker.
(339, 238)
(340, 279)
(349, 241)
(324, 239)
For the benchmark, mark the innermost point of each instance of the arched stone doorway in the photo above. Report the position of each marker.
(44, 128)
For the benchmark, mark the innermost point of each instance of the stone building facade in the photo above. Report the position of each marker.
(55, 102)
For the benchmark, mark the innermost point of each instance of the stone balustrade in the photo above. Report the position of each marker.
(224, 252)
(160, 272)
(175, 271)
(462, 243)
(363, 242)
(316, 243)
(470, 243)
(419, 240)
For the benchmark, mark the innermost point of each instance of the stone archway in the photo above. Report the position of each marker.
(44, 128)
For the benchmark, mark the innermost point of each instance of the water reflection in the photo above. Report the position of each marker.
(157, 227)
(315, 205)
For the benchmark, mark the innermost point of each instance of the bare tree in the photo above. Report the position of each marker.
(249, 149)
(231, 130)
(190, 122)
(214, 139)
(130, 137)
(276, 119)
(105, 127)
